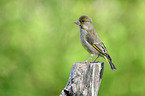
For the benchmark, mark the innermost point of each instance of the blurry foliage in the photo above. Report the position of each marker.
(39, 43)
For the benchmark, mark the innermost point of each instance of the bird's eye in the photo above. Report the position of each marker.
(83, 21)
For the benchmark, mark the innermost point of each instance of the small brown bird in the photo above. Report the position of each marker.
(91, 41)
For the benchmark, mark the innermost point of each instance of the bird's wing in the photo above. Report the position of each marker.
(98, 45)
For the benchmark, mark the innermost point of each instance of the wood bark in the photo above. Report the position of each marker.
(84, 79)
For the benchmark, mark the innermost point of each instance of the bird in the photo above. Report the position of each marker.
(91, 41)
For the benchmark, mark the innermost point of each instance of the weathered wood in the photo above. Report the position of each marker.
(84, 79)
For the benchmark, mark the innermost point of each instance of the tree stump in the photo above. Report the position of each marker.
(84, 79)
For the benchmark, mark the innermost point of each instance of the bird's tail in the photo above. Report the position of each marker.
(109, 60)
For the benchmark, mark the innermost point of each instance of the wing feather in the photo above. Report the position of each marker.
(99, 46)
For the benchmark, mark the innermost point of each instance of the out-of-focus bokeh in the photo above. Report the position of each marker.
(39, 42)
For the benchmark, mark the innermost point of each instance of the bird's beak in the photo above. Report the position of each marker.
(77, 22)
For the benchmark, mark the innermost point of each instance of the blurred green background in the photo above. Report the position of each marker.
(39, 42)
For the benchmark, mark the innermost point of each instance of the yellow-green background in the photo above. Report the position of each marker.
(39, 42)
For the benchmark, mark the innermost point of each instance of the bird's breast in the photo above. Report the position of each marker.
(86, 44)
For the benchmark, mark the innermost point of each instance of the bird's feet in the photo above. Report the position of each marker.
(95, 59)
(87, 61)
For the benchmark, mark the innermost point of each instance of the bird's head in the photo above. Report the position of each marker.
(85, 22)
